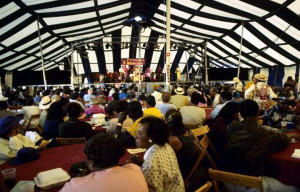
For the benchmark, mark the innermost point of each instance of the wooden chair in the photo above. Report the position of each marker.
(235, 179)
(26, 126)
(205, 187)
(15, 108)
(190, 126)
(205, 142)
(201, 153)
(70, 141)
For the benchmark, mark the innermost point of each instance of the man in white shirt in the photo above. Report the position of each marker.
(193, 113)
(73, 99)
(213, 94)
(225, 97)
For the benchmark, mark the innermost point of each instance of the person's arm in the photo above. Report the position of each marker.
(175, 143)
(248, 91)
(121, 118)
(150, 168)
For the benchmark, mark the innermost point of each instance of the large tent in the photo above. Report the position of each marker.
(270, 32)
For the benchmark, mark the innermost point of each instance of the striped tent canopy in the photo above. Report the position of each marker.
(271, 33)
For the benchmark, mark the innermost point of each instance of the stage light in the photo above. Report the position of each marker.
(138, 19)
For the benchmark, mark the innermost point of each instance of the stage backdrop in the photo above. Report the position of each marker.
(132, 61)
(36, 77)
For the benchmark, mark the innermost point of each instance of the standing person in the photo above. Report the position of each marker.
(103, 153)
(148, 73)
(178, 74)
(160, 166)
(125, 72)
(262, 92)
(121, 71)
(249, 146)
(159, 72)
(250, 83)
(238, 85)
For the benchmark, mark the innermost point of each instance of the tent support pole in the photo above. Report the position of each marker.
(240, 54)
(72, 66)
(276, 75)
(42, 57)
(205, 61)
(168, 44)
(140, 54)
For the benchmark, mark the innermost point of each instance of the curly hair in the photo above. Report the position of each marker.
(73, 110)
(157, 130)
(55, 111)
(104, 150)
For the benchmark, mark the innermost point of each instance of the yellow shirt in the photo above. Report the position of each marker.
(248, 85)
(133, 129)
(153, 111)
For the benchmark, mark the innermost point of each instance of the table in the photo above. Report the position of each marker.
(52, 158)
(98, 129)
(284, 167)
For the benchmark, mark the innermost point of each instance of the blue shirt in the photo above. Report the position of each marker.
(37, 99)
(123, 95)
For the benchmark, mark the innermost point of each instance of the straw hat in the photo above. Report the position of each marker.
(46, 102)
(179, 91)
(157, 95)
(261, 77)
(236, 80)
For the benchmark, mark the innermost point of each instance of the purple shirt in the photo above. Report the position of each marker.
(94, 109)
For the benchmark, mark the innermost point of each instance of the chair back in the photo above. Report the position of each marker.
(190, 126)
(205, 142)
(70, 141)
(235, 179)
(200, 155)
(205, 187)
(27, 127)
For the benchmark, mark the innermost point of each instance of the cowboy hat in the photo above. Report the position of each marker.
(45, 102)
(236, 80)
(261, 77)
(179, 91)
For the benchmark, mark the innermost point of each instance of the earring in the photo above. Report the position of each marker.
(150, 140)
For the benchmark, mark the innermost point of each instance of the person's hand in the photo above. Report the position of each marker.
(293, 136)
(122, 116)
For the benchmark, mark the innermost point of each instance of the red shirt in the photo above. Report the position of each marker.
(94, 109)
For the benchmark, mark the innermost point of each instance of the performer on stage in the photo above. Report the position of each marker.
(148, 72)
(136, 74)
(121, 71)
(178, 74)
(125, 72)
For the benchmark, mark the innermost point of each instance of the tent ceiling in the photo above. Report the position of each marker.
(270, 37)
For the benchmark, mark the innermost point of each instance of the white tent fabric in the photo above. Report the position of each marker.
(271, 32)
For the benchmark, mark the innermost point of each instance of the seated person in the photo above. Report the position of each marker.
(103, 153)
(166, 105)
(109, 110)
(160, 166)
(225, 97)
(135, 113)
(75, 128)
(94, 107)
(74, 99)
(151, 109)
(124, 94)
(120, 107)
(249, 146)
(179, 100)
(193, 113)
(280, 112)
(29, 110)
(55, 117)
(10, 140)
(142, 99)
(181, 141)
(88, 97)
(3, 108)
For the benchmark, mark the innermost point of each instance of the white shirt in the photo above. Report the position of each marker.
(193, 114)
(31, 110)
(113, 123)
(87, 97)
(161, 169)
(217, 109)
(216, 100)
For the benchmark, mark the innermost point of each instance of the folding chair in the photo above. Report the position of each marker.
(235, 179)
(26, 127)
(201, 153)
(70, 141)
(205, 142)
(205, 187)
(190, 126)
